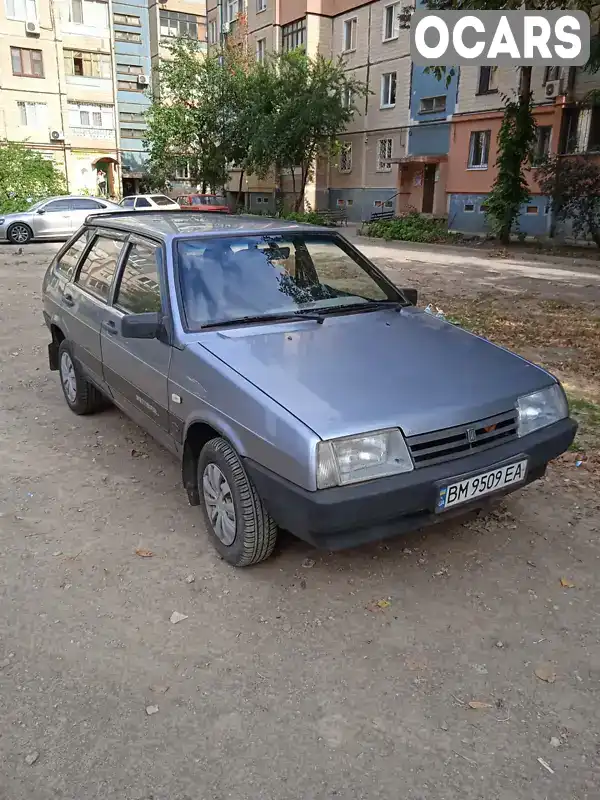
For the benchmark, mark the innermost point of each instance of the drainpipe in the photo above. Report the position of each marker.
(116, 168)
(60, 105)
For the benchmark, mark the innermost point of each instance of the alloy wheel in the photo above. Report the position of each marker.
(219, 504)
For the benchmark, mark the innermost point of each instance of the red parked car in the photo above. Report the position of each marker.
(202, 202)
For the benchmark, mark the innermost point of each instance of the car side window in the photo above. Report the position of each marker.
(67, 263)
(141, 202)
(84, 204)
(139, 287)
(128, 202)
(57, 205)
(100, 265)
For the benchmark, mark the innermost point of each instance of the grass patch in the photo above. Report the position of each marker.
(411, 228)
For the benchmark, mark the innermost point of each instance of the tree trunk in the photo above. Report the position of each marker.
(203, 187)
(305, 171)
(239, 191)
(595, 233)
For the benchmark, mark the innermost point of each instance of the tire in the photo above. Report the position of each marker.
(81, 396)
(19, 233)
(241, 529)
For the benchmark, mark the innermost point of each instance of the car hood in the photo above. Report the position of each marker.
(16, 215)
(363, 372)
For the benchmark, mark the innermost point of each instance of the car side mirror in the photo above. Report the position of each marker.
(41, 211)
(142, 326)
(411, 295)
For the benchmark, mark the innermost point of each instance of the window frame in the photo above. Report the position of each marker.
(380, 166)
(29, 51)
(261, 5)
(22, 106)
(538, 156)
(123, 19)
(96, 59)
(488, 71)
(350, 24)
(65, 249)
(175, 19)
(27, 17)
(392, 84)
(125, 36)
(293, 32)
(345, 147)
(433, 110)
(395, 33)
(488, 137)
(132, 241)
(261, 50)
(548, 74)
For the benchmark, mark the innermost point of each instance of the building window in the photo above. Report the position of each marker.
(293, 35)
(182, 173)
(349, 42)
(345, 162)
(532, 210)
(388, 90)
(127, 19)
(390, 21)
(27, 63)
(87, 65)
(384, 154)
(93, 13)
(479, 149)
(347, 98)
(261, 5)
(551, 74)
(212, 32)
(175, 23)
(33, 115)
(85, 115)
(469, 207)
(131, 116)
(487, 83)
(261, 50)
(130, 86)
(232, 9)
(132, 133)
(542, 143)
(581, 130)
(129, 69)
(128, 36)
(24, 10)
(432, 105)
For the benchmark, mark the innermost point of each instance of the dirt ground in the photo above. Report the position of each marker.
(286, 681)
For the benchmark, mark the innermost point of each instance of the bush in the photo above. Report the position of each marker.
(309, 217)
(410, 228)
(25, 177)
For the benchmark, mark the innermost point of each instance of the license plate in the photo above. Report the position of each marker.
(463, 491)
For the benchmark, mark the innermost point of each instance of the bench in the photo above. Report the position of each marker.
(377, 216)
(333, 218)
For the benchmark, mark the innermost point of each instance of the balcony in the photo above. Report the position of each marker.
(93, 133)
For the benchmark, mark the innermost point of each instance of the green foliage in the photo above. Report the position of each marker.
(309, 217)
(26, 177)
(411, 228)
(573, 184)
(510, 190)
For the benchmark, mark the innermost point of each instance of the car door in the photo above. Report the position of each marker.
(81, 208)
(53, 219)
(136, 370)
(85, 300)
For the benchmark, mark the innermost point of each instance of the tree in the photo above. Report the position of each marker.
(309, 102)
(25, 177)
(573, 185)
(517, 135)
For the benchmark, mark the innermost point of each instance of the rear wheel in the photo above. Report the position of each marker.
(240, 527)
(19, 233)
(82, 397)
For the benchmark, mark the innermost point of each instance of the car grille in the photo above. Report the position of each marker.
(449, 443)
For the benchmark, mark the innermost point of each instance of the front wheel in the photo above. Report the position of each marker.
(19, 233)
(240, 527)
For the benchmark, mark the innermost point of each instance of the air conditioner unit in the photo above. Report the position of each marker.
(57, 136)
(553, 89)
(225, 27)
(32, 28)
(143, 80)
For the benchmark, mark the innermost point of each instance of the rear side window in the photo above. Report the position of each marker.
(100, 265)
(84, 203)
(128, 202)
(141, 202)
(139, 289)
(68, 261)
(161, 200)
(58, 205)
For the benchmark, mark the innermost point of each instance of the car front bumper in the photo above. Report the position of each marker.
(347, 516)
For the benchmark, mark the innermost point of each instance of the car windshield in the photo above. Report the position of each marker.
(226, 279)
(37, 205)
(204, 200)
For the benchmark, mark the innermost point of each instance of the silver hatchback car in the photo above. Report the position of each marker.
(297, 385)
(53, 218)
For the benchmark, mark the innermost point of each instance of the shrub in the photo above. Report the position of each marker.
(410, 228)
(309, 217)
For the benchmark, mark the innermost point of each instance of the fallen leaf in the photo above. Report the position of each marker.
(545, 672)
(476, 704)
(383, 604)
(143, 553)
(566, 584)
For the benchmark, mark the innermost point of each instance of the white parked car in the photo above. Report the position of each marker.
(140, 201)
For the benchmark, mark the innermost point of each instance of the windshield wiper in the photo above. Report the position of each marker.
(249, 319)
(371, 305)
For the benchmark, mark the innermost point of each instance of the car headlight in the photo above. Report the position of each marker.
(352, 459)
(542, 408)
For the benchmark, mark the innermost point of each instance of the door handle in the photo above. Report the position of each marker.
(68, 300)
(110, 327)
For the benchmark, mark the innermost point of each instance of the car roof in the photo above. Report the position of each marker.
(148, 194)
(169, 224)
(77, 197)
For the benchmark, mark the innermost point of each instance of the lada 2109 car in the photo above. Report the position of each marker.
(297, 385)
